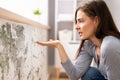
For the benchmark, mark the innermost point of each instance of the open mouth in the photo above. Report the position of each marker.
(80, 33)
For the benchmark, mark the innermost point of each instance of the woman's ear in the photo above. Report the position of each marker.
(96, 20)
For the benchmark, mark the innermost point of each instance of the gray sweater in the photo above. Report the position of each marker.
(109, 65)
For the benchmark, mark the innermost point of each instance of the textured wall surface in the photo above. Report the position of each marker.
(20, 57)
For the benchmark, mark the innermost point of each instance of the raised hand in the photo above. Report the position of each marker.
(58, 45)
(53, 43)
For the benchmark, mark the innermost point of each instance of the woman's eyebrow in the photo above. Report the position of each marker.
(79, 19)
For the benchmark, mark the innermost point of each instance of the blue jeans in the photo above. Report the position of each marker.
(93, 74)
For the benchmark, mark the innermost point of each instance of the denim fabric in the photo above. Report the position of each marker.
(93, 74)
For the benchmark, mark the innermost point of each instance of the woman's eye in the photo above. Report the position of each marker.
(80, 21)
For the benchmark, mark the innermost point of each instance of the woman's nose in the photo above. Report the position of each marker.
(77, 27)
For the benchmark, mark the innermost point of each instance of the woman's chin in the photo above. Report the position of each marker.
(83, 38)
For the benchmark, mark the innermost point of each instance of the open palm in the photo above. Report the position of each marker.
(53, 43)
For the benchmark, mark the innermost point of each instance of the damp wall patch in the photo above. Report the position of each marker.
(20, 57)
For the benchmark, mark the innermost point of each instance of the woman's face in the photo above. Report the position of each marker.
(85, 25)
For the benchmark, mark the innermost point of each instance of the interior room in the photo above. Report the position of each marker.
(23, 22)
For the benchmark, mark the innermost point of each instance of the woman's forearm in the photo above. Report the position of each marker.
(62, 53)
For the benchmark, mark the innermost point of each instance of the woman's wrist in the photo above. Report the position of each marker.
(58, 44)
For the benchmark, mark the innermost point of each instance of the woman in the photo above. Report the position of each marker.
(100, 40)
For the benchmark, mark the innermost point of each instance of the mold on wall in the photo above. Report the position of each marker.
(20, 57)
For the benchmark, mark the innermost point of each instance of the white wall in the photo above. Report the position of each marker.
(114, 6)
(26, 8)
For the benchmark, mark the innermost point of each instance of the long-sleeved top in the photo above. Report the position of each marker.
(109, 64)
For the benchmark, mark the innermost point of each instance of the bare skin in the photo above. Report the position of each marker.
(58, 45)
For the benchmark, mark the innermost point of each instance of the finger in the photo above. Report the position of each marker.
(39, 42)
(43, 43)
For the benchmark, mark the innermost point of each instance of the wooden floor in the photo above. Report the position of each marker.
(62, 76)
(57, 74)
(59, 79)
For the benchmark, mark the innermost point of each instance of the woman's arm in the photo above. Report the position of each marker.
(82, 64)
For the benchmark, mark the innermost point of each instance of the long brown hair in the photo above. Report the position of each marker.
(106, 26)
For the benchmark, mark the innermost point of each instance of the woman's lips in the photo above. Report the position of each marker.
(80, 33)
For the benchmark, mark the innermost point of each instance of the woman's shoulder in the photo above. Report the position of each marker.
(111, 39)
(111, 42)
(89, 46)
